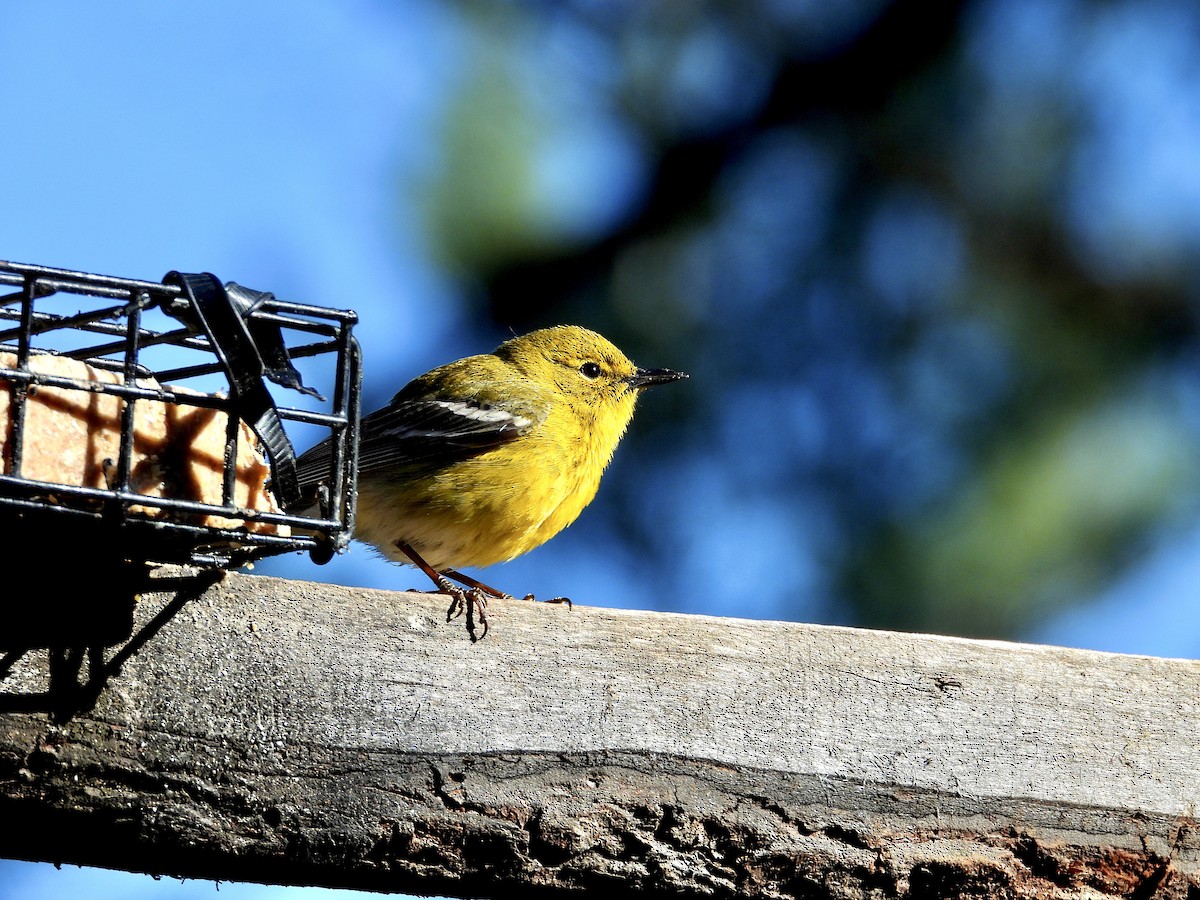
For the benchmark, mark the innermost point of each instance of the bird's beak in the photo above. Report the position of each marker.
(644, 378)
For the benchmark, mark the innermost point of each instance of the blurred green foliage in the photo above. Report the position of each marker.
(937, 300)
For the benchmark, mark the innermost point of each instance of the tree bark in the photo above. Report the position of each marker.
(286, 732)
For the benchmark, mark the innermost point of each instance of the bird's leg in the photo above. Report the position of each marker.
(498, 594)
(478, 585)
(461, 602)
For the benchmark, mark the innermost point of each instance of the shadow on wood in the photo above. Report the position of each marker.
(75, 608)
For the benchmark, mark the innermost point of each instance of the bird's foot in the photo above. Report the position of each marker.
(531, 598)
(498, 594)
(470, 603)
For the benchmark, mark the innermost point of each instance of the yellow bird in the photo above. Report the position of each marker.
(483, 459)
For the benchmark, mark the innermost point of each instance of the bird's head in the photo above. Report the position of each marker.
(585, 369)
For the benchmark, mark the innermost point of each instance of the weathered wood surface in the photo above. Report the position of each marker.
(298, 733)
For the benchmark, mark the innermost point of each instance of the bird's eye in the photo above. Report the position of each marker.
(590, 370)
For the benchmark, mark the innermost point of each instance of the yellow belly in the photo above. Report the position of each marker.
(453, 523)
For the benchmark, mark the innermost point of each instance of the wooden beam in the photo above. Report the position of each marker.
(264, 730)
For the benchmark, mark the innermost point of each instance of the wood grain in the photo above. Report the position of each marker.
(298, 733)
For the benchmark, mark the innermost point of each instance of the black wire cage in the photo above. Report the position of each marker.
(118, 380)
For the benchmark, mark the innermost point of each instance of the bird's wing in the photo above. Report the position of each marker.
(440, 431)
(428, 431)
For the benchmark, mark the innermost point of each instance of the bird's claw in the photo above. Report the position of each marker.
(567, 600)
(469, 603)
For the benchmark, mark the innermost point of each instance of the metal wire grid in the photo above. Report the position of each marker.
(110, 517)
